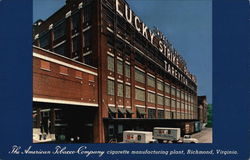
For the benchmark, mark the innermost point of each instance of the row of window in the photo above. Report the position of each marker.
(163, 114)
(151, 81)
(111, 89)
(140, 95)
(119, 65)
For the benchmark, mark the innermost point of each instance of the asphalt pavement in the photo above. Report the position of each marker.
(205, 136)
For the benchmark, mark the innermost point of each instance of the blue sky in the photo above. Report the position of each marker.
(186, 23)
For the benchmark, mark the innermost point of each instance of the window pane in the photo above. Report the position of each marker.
(59, 30)
(160, 85)
(178, 93)
(60, 49)
(168, 115)
(172, 91)
(120, 90)
(75, 44)
(172, 103)
(139, 76)
(139, 94)
(119, 67)
(87, 13)
(151, 97)
(87, 38)
(44, 40)
(178, 104)
(167, 88)
(159, 100)
(127, 91)
(75, 21)
(111, 87)
(167, 101)
(151, 113)
(151, 81)
(111, 63)
(160, 113)
(127, 70)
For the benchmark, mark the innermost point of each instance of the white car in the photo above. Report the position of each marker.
(189, 139)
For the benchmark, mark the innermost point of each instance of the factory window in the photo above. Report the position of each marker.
(139, 94)
(151, 97)
(182, 95)
(178, 93)
(75, 21)
(182, 105)
(87, 38)
(167, 101)
(151, 81)
(159, 85)
(59, 30)
(178, 104)
(88, 59)
(110, 38)
(192, 99)
(178, 116)
(186, 106)
(108, 17)
(111, 88)
(127, 91)
(120, 89)
(182, 116)
(75, 44)
(87, 13)
(167, 88)
(160, 113)
(60, 49)
(119, 67)
(185, 96)
(172, 103)
(172, 91)
(127, 70)
(139, 76)
(119, 45)
(44, 40)
(151, 113)
(168, 115)
(111, 63)
(160, 100)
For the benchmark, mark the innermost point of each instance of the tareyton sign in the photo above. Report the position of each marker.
(135, 21)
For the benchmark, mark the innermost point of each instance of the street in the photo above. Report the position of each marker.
(205, 136)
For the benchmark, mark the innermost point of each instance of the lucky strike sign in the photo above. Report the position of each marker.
(124, 11)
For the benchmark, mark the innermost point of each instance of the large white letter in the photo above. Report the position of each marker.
(144, 30)
(128, 17)
(117, 3)
(160, 46)
(137, 20)
(152, 35)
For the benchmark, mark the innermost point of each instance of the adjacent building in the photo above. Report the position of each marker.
(98, 70)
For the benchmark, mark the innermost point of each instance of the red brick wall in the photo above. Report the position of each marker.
(56, 81)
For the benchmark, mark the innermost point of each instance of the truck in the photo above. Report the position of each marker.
(173, 135)
(138, 137)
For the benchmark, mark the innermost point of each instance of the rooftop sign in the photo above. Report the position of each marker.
(163, 46)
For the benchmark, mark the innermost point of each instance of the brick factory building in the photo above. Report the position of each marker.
(99, 70)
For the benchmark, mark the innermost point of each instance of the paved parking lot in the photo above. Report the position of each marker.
(205, 136)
